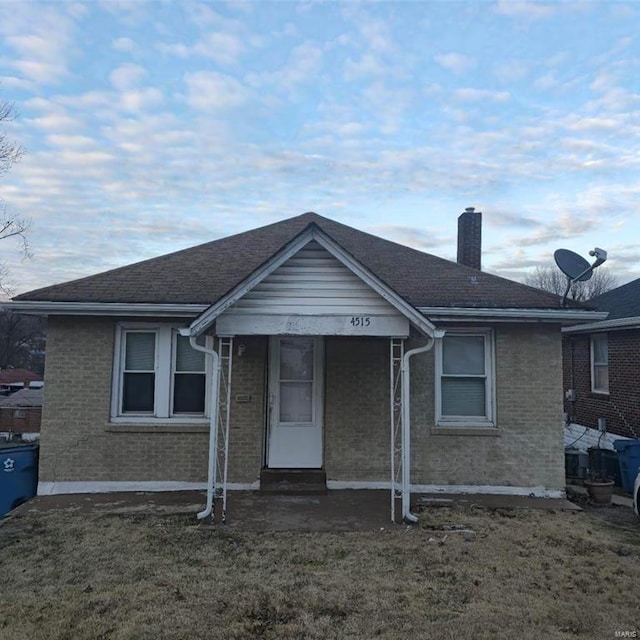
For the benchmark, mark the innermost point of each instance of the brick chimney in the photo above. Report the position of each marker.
(470, 238)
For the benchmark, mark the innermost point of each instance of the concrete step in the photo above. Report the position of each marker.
(293, 481)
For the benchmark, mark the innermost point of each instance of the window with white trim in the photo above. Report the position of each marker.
(600, 363)
(158, 375)
(465, 376)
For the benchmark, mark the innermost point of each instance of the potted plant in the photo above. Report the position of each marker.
(599, 486)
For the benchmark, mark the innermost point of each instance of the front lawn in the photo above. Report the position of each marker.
(510, 574)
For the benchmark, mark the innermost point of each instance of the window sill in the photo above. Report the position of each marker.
(164, 427)
(599, 395)
(449, 430)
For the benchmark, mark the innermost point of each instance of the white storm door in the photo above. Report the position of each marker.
(295, 403)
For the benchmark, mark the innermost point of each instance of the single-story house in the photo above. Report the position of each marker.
(12, 380)
(21, 413)
(304, 347)
(601, 364)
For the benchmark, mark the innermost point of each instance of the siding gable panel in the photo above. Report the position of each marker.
(313, 282)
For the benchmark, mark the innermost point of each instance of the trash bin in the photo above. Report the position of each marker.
(18, 475)
(605, 461)
(629, 461)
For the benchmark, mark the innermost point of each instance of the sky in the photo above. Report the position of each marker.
(154, 126)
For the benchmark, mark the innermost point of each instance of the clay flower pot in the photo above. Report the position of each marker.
(600, 491)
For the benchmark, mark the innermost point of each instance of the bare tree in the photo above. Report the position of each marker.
(22, 341)
(10, 226)
(553, 280)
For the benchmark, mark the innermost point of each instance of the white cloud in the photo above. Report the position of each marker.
(213, 90)
(127, 76)
(472, 95)
(41, 37)
(223, 48)
(456, 62)
(140, 99)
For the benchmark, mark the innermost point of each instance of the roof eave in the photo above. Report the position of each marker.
(484, 314)
(143, 309)
(616, 324)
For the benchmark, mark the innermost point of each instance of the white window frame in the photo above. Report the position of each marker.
(592, 361)
(487, 420)
(165, 355)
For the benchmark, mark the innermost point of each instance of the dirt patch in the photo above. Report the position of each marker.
(619, 516)
(463, 572)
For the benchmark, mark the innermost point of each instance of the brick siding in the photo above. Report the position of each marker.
(20, 419)
(621, 408)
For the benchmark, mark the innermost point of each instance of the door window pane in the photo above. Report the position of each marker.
(296, 403)
(296, 359)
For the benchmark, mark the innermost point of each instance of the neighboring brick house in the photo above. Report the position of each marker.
(343, 357)
(14, 379)
(21, 412)
(602, 363)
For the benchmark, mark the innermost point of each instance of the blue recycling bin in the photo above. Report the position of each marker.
(18, 476)
(629, 461)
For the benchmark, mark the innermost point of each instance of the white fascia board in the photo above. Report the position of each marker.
(44, 308)
(632, 322)
(470, 314)
(205, 320)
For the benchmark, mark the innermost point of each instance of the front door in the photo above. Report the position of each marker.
(295, 403)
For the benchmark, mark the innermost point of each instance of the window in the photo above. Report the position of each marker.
(158, 375)
(600, 363)
(464, 379)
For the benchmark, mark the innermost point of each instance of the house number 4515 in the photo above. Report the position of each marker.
(360, 321)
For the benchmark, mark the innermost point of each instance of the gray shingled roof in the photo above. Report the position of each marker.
(203, 274)
(23, 398)
(621, 302)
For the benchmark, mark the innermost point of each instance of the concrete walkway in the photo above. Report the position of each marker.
(346, 510)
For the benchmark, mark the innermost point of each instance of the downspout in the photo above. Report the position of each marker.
(213, 421)
(407, 516)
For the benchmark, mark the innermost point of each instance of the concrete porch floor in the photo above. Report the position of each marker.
(345, 510)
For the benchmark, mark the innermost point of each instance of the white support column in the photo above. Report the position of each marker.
(395, 399)
(225, 352)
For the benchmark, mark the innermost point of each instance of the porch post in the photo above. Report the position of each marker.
(396, 413)
(225, 352)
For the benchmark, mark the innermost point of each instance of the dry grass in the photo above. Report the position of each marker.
(524, 574)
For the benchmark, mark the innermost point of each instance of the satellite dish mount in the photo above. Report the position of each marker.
(576, 268)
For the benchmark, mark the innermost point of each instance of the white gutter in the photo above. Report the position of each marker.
(213, 429)
(407, 516)
(617, 323)
(531, 315)
(39, 307)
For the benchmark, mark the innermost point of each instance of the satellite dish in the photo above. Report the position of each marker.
(572, 264)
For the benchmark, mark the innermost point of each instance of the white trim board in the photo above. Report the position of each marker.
(463, 489)
(164, 310)
(69, 487)
(632, 322)
(506, 315)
